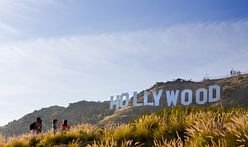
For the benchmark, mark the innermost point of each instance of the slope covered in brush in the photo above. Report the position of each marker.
(234, 92)
(177, 126)
(75, 113)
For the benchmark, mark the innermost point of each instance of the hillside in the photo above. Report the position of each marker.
(75, 113)
(234, 92)
(176, 126)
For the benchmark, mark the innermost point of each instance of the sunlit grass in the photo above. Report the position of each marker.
(177, 126)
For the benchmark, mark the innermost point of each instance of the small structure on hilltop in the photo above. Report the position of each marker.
(235, 72)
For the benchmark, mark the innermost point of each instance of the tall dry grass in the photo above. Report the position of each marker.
(177, 126)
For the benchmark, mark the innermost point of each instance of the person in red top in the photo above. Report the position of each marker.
(64, 126)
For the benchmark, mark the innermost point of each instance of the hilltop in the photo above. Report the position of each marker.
(234, 92)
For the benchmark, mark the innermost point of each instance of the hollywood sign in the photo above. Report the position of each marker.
(202, 96)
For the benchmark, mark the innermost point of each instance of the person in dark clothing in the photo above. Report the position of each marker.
(54, 126)
(36, 127)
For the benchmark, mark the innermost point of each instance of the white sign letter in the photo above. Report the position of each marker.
(146, 103)
(135, 103)
(183, 97)
(198, 96)
(126, 100)
(115, 102)
(211, 93)
(172, 97)
(157, 96)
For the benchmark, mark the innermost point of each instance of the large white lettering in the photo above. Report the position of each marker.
(201, 92)
(157, 96)
(124, 102)
(135, 99)
(202, 96)
(115, 102)
(187, 92)
(172, 97)
(146, 103)
(215, 89)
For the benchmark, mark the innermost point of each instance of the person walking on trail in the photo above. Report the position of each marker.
(64, 126)
(36, 127)
(54, 126)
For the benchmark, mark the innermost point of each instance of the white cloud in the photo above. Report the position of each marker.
(16, 15)
(4, 28)
(7, 31)
(67, 69)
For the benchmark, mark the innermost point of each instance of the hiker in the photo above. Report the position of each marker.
(64, 126)
(54, 126)
(36, 127)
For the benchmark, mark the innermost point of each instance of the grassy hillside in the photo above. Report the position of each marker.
(234, 92)
(177, 126)
(76, 113)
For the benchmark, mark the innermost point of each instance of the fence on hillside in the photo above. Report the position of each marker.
(224, 76)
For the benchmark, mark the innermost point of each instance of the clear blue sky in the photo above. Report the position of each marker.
(55, 52)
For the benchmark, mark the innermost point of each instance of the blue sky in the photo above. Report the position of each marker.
(55, 52)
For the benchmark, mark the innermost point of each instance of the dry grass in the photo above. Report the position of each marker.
(177, 126)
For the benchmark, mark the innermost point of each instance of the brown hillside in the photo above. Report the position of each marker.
(234, 92)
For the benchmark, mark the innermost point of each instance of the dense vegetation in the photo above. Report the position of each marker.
(177, 126)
